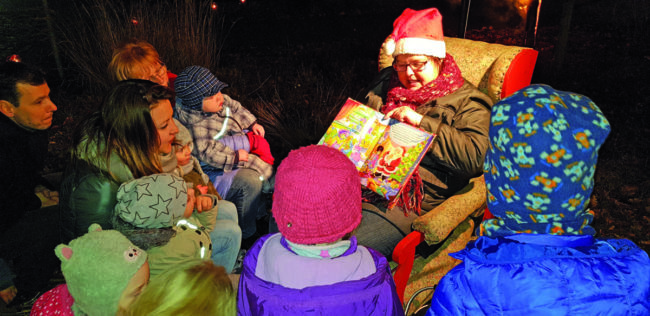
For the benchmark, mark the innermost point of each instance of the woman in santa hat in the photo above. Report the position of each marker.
(425, 88)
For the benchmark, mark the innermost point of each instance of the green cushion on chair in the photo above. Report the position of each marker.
(439, 222)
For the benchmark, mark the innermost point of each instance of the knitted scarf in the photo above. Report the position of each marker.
(448, 81)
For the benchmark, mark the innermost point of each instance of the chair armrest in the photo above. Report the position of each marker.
(442, 220)
(404, 255)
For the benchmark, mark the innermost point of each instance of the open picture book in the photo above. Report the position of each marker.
(386, 152)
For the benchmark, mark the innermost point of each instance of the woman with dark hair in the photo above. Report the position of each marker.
(124, 140)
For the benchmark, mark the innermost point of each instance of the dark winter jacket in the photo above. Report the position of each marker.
(88, 195)
(22, 157)
(461, 122)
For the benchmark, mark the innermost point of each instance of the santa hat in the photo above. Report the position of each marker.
(418, 33)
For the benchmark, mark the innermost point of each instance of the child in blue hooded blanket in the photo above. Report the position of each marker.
(314, 265)
(538, 256)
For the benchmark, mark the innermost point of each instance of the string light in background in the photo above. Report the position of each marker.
(14, 58)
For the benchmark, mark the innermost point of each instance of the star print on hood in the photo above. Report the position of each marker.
(154, 201)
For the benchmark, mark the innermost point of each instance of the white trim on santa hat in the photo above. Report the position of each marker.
(420, 46)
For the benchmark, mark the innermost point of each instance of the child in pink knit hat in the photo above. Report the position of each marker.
(315, 264)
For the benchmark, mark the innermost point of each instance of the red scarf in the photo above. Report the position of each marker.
(448, 81)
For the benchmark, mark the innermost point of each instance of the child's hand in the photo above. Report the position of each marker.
(203, 203)
(191, 202)
(47, 197)
(243, 155)
(8, 294)
(258, 129)
(202, 188)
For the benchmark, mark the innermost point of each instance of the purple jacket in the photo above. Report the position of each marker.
(372, 295)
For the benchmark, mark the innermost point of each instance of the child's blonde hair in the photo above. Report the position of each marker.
(197, 288)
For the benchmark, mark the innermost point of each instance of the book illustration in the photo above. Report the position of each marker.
(386, 152)
(354, 132)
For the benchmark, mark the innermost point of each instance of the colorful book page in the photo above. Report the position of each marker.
(355, 132)
(386, 152)
(397, 154)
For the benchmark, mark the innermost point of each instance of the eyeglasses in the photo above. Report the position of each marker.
(161, 72)
(415, 66)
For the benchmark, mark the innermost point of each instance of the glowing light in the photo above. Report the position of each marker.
(214, 6)
(14, 58)
(242, 1)
(224, 125)
(522, 7)
(134, 21)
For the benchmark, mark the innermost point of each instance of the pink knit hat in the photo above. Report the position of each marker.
(418, 33)
(317, 195)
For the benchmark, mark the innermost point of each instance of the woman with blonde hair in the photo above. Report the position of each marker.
(197, 288)
(137, 59)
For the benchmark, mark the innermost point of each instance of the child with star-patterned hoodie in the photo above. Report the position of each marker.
(157, 213)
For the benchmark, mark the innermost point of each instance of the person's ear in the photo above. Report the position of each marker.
(7, 108)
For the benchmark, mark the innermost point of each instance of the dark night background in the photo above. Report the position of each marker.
(301, 59)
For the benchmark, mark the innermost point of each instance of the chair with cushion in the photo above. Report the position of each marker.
(497, 70)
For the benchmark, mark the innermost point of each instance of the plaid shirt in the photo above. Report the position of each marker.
(204, 126)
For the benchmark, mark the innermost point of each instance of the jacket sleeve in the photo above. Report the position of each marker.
(208, 218)
(212, 152)
(6, 276)
(378, 88)
(19, 180)
(184, 247)
(86, 197)
(238, 112)
(461, 123)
